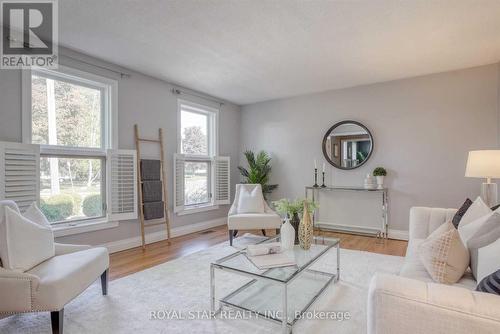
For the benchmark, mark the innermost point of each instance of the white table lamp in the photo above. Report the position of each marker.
(485, 164)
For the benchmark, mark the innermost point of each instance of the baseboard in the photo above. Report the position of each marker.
(120, 245)
(398, 234)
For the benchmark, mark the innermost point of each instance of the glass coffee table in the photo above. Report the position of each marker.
(283, 294)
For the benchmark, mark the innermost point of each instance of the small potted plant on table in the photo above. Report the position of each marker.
(379, 173)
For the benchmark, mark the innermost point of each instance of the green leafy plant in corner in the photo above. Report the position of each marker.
(379, 171)
(259, 170)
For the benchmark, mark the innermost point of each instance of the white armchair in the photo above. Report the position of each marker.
(49, 286)
(250, 221)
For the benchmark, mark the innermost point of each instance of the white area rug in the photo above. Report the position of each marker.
(183, 285)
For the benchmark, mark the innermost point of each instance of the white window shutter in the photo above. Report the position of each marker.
(179, 161)
(121, 177)
(222, 173)
(20, 173)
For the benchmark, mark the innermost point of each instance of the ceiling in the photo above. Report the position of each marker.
(246, 51)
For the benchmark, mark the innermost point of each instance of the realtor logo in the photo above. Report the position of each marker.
(29, 34)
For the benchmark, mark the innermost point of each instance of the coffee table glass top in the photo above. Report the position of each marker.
(303, 258)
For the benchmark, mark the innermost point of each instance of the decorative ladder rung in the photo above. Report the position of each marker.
(148, 140)
(155, 224)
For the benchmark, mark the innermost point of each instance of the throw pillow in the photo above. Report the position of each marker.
(24, 244)
(36, 215)
(471, 229)
(490, 284)
(493, 208)
(444, 255)
(461, 212)
(484, 249)
(476, 210)
(251, 202)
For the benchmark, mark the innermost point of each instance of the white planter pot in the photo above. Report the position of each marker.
(287, 235)
(380, 182)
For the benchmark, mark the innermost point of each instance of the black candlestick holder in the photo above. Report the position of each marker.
(316, 178)
(323, 185)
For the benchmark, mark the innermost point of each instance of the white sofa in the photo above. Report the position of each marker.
(413, 303)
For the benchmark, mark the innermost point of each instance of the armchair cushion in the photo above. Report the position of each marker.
(251, 201)
(15, 291)
(62, 249)
(64, 277)
(24, 244)
(34, 214)
(253, 221)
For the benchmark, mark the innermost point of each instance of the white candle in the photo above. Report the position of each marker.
(315, 166)
(323, 167)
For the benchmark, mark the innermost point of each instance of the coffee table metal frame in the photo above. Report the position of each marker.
(286, 325)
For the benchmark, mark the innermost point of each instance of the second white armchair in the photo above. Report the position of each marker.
(256, 216)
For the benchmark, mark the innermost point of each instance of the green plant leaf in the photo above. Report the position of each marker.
(259, 169)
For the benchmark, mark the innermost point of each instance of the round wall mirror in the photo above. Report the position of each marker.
(347, 145)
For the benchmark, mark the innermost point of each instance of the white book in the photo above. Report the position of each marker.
(272, 261)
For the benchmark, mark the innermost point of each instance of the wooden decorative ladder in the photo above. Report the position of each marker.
(166, 216)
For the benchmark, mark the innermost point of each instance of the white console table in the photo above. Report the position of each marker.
(314, 193)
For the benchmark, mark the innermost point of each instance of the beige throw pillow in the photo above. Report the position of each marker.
(444, 255)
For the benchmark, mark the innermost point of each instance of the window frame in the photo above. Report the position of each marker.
(110, 103)
(212, 127)
(212, 114)
(109, 135)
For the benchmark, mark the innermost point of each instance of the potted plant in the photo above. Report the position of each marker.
(379, 173)
(258, 172)
(293, 210)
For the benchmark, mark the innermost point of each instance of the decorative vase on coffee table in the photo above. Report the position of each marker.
(295, 224)
(306, 229)
(287, 235)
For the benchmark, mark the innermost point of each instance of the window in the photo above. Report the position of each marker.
(69, 116)
(197, 166)
(197, 183)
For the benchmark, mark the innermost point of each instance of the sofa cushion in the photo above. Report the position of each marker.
(444, 255)
(63, 277)
(473, 228)
(477, 210)
(23, 243)
(484, 247)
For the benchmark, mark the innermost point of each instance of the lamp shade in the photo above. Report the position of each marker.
(484, 163)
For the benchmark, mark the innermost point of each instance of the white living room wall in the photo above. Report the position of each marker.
(423, 128)
(142, 100)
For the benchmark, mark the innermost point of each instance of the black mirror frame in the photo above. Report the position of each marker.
(337, 125)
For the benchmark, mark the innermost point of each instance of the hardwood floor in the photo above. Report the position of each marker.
(133, 260)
